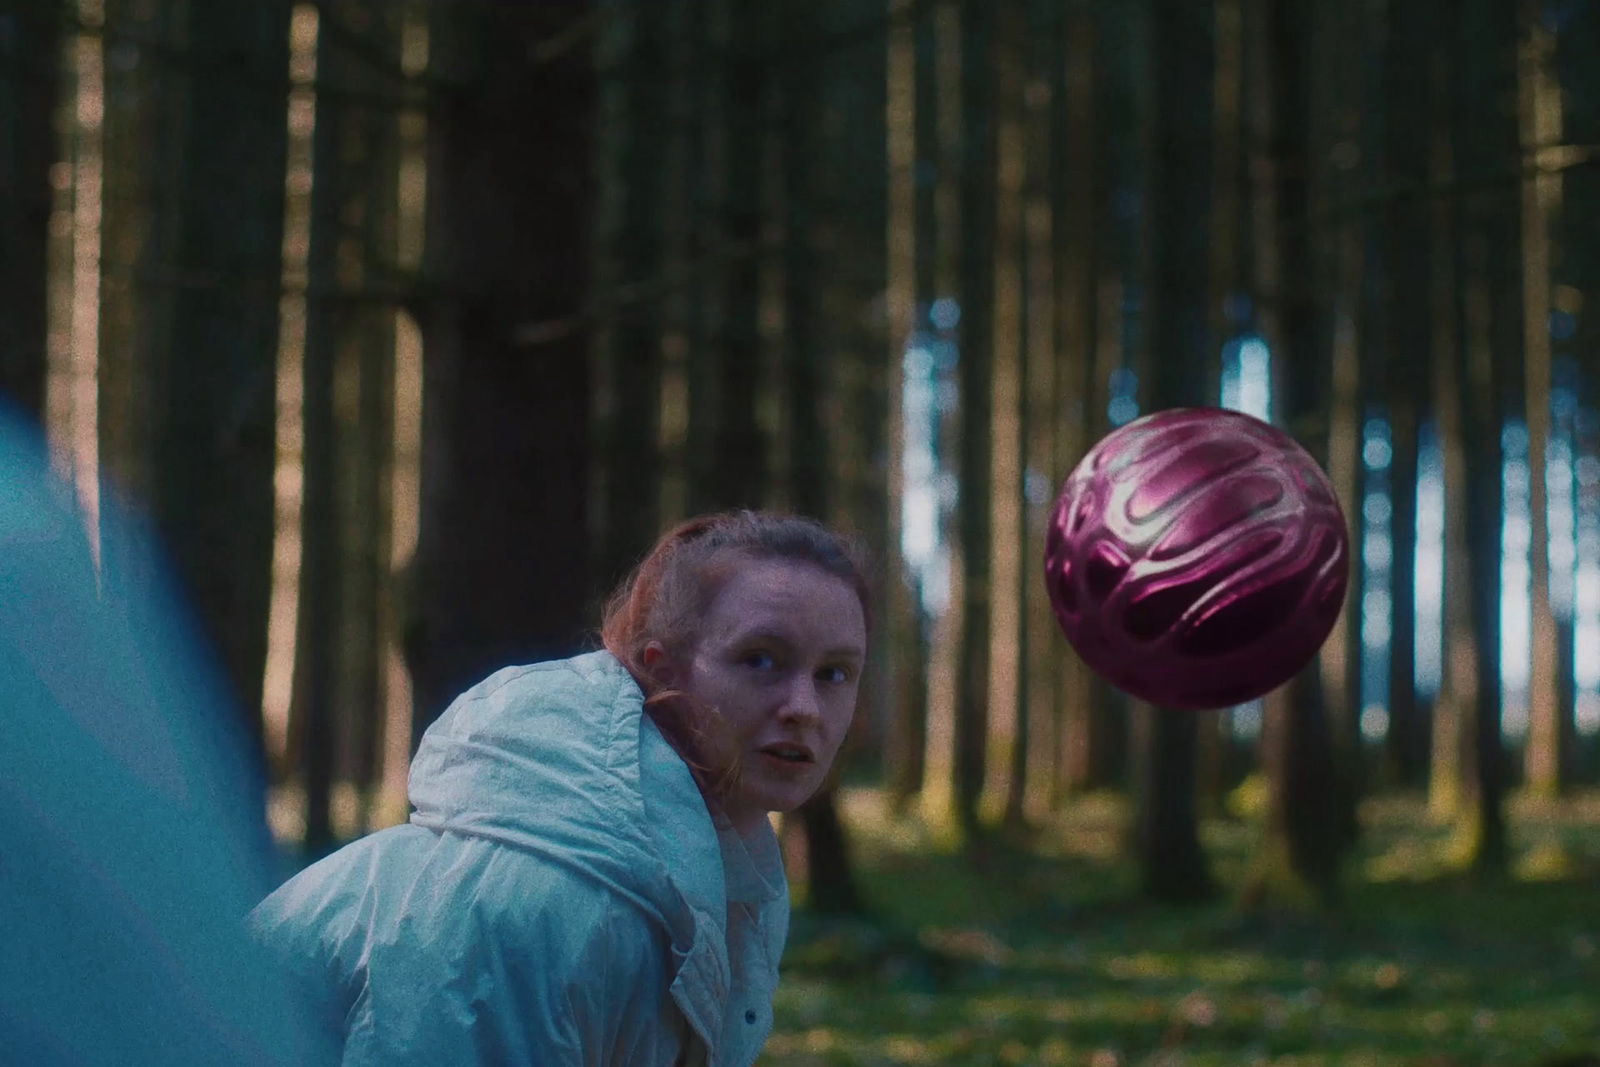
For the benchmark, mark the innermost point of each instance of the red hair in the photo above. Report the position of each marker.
(665, 599)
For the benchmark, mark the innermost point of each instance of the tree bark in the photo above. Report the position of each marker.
(975, 370)
(741, 474)
(1544, 759)
(707, 238)
(1408, 338)
(138, 137)
(1485, 131)
(860, 82)
(683, 224)
(1075, 149)
(369, 419)
(1227, 283)
(830, 877)
(1347, 260)
(1575, 263)
(1405, 716)
(631, 251)
(211, 378)
(1007, 727)
(1042, 651)
(942, 268)
(1097, 736)
(30, 56)
(1306, 831)
(1457, 683)
(347, 408)
(500, 569)
(1182, 52)
(321, 594)
(909, 240)
(844, 474)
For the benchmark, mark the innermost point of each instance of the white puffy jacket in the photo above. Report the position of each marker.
(561, 895)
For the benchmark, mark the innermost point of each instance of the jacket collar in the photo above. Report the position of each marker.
(751, 864)
(581, 769)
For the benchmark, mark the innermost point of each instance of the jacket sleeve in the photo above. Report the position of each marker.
(545, 968)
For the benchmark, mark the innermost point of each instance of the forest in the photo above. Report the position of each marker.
(411, 324)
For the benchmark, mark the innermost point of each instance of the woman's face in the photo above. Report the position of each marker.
(779, 656)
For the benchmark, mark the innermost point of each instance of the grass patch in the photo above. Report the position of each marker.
(1043, 954)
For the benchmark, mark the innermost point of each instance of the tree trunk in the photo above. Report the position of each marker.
(1182, 50)
(1544, 758)
(631, 253)
(31, 57)
(1227, 282)
(1374, 622)
(1481, 821)
(829, 882)
(708, 238)
(830, 878)
(1307, 827)
(860, 82)
(137, 137)
(935, 132)
(1339, 67)
(909, 279)
(500, 566)
(740, 468)
(188, 324)
(1339, 660)
(1404, 410)
(943, 218)
(1040, 654)
(1078, 716)
(806, 357)
(843, 471)
(1575, 265)
(978, 183)
(211, 376)
(1408, 337)
(1298, 858)
(368, 414)
(682, 225)
(1563, 498)
(1346, 262)
(1457, 683)
(1489, 246)
(321, 588)
(347, 403)
(1097, 735)
(1007, 726)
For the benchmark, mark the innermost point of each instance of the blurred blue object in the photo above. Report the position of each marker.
(132, 835)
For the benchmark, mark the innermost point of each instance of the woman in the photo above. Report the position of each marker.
(590, 876)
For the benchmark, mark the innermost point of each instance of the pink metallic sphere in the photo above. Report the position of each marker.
(1197, 558)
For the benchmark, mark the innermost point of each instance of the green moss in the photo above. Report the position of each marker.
(995, 956)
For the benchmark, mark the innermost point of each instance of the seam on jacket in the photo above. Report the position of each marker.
(619, 752)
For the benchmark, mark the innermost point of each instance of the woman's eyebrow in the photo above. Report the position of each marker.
(777, 637)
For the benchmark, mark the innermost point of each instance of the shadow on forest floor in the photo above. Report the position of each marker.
(1046, 955)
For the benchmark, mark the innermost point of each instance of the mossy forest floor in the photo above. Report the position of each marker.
(1045, 955)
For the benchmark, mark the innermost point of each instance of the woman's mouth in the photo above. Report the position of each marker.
(790, 756)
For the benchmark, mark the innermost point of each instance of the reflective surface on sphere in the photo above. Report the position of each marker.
(1197, 558)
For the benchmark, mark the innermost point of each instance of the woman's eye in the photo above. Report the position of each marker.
(842, 675)
(757, 659)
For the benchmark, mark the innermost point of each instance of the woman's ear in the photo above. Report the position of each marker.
(656, 662)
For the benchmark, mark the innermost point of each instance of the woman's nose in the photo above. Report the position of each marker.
(801, 703)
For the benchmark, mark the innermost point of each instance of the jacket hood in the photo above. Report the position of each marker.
(560, 759)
